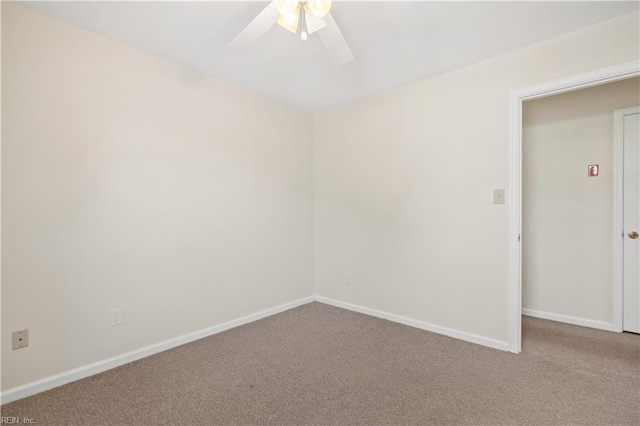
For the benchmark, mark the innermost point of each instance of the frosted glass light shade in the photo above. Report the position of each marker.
(290, 21)
(287, 7)
(319, 7)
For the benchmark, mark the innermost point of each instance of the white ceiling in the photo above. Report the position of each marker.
(394, 43)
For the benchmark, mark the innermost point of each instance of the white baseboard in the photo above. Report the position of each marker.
(601, 325)
(456, 334)
(54, 381)
(51, 382)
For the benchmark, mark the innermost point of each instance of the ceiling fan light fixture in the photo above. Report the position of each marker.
(290, 21)
(320, 8)
(287, 7)
(288, 13)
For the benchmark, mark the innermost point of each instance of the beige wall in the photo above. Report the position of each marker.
(568, 216)
(403, 184)
(129, 181)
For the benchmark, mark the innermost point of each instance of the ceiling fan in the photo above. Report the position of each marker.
(310, 15)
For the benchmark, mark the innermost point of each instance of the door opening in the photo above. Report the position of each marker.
(598, 77)
(567, 204)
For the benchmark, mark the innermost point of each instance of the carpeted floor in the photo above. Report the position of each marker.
(322, 365)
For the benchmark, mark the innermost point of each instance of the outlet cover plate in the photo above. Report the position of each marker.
(115, 317)
(20, 339)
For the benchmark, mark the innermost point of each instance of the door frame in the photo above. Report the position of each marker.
(618, 217)
(514, 201)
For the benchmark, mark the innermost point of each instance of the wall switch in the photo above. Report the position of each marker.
(498, 196)
(347, 279)
(115, 317)
(20, 339)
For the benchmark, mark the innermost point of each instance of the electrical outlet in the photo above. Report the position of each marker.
(347, 278)
(115, 317)
(20, 339)
(498, 196)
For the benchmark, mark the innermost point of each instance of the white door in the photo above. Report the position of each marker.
(631, 219)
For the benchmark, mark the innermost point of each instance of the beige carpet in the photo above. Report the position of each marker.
(322, 365)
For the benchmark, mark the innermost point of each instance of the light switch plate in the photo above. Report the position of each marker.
(498, 196)
(20, 339)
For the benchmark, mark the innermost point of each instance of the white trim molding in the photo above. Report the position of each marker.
(514, 200)
(446, 331)
(54, 381)
(600, 325)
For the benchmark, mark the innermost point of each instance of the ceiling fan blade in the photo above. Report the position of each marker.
(334, 41)
(314, 23)
(256, 28)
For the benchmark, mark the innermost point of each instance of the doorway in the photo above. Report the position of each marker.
(567, 204)
(598, 77)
